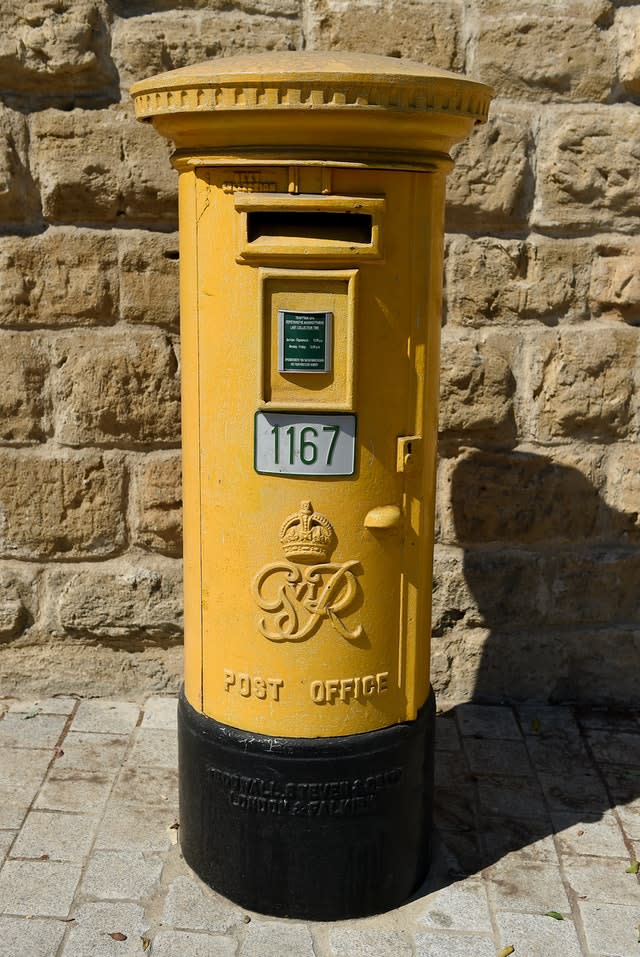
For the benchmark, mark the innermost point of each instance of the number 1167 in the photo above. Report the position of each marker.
(294, 444)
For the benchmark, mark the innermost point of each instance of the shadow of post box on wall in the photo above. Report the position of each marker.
(311, 233)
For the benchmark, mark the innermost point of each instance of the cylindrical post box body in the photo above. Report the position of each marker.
(311, 234)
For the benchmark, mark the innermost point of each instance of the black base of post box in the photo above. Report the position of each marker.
(311, 828)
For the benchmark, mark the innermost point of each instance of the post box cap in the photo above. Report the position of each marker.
(312, 100)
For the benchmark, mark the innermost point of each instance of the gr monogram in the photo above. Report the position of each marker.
(298, 594)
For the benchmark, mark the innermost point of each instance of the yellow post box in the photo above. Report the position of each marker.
(311, 233)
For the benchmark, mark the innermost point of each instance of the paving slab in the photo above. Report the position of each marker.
(275, 938)
(30, 936)
(560, 753)
(538, 719)
(60, 704)
(19, 730)
(574, 793)
(153, 748)
(128, 828)
(14, 806)
(192, 906)
(72, 790)
(106, 716)
(615, 747)
(528, 840)
(487, 721)
(87, 751)
(605, 720)
(630, 817)
(603, 880)
(497, 757)
(601, 837)
(369, 938)
(182, 943)
(20, 780)
(6, 840)
(454, 808)
(512, 797)
(460, 906)
(611, 929)
(18, 771)
(454, 945)
(55, 835)
(98, 929)
(537, 888)
(534, 935)
(150, 787)
(622, 783)
(38, 888)
(121, 875)
(465, 852)
(160, 711)
(447, 736)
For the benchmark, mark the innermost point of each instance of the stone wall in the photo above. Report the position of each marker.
(537, 563)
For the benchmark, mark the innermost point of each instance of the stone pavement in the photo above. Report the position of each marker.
(538, 814)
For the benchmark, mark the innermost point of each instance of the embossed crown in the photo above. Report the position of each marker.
(307, 536)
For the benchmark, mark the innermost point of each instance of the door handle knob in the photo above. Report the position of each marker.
(383, 516)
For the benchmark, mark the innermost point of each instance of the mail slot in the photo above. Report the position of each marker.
(311, 236)
(291, 228)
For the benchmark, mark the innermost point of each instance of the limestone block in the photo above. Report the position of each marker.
(115, 387)
(547, 51)
(523, 496)
(490, 184)
(628, 38)
(491, 665)
(593, 667)
(477, 387)
(594, 587)
(622, 492)
(121, 601)
(589, 169)
(455, 662)
(19, 598)
(608, 676)
(18, 197)
(502, 281)
(600, 10)
(62, 505)
(144, 46)
(424, 30)
(148, 267)
(487, 588)
(102, 166)
(279, 8)
(37, 665)
(24, 401)
(49, 46)
(484, 279)
(62, 277)
(157, 503)
(581, 383)
(615, 283)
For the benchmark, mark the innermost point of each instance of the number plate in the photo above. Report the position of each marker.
(299, 444)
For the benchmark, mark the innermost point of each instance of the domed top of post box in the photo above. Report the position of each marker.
(314, 106)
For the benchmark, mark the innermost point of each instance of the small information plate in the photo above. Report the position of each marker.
(304, 341)
(288, 443)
